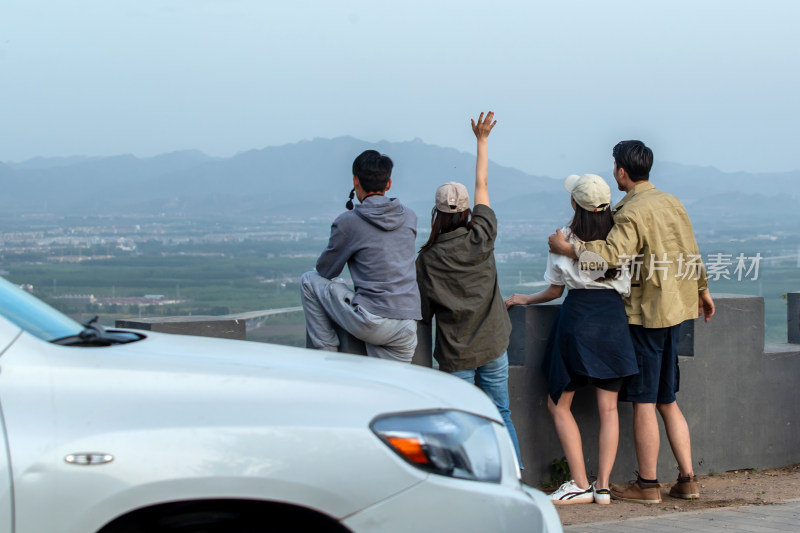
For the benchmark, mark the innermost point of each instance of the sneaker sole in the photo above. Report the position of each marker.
(571, 502)
(634, 500)
(692, 496)
(606, 501)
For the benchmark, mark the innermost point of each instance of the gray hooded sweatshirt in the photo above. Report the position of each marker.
(376, 241)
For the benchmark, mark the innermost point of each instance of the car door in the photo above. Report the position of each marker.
(8, 333)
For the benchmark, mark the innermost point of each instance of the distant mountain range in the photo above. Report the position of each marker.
(313, 178)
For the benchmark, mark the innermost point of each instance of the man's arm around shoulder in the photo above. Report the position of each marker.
(620, 246)
(560, 246)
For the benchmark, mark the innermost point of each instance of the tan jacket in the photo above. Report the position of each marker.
(653, 234)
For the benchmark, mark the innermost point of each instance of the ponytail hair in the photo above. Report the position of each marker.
(589, 226)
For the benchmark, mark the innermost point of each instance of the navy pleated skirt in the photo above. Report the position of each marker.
(589, 337)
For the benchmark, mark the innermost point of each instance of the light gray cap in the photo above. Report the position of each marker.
(452, 197)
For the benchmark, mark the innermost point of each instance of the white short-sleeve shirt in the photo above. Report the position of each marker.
(563, 270)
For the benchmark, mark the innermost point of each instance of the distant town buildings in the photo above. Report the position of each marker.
(62, 243)
(148, 299)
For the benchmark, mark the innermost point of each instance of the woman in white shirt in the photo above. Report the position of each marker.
(589, 343)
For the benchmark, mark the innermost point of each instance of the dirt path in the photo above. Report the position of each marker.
(729, 489)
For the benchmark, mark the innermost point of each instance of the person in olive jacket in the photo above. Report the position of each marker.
(457, 279)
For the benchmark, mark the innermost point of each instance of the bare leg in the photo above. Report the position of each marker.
(646, 439)
(609, 435)
(570, 437)
(678, 435)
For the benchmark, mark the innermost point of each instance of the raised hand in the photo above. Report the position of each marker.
(482, 129)
(484, 126)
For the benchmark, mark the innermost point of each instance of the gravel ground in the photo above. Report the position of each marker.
(728, 489)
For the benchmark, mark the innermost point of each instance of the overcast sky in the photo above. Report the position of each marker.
(709, 82)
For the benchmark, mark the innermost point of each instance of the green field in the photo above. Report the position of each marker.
(210, 286)
(246, 276)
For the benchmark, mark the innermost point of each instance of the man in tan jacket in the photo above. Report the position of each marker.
(652, 235)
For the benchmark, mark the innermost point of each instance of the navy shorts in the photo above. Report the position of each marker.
(577, 382)
(657, 356)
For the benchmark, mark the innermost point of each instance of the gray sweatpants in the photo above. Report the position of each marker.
(326, 302)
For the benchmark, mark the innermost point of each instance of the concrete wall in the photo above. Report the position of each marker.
(200, 326)
(793, 317)
(740, 397)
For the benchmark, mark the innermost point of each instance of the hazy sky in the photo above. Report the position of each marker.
(711, 82)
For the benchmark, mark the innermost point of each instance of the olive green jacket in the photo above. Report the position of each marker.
(457, 280)
(653, 235)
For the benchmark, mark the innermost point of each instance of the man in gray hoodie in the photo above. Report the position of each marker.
(376, 242)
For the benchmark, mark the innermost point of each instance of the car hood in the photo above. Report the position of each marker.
(250, 372)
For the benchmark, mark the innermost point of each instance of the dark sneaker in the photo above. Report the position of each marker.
(686, 488)
(637, 491)
(570, 493)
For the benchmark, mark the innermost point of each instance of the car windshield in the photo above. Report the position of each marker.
(33, 315)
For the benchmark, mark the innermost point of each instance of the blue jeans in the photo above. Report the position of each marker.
(493, 380)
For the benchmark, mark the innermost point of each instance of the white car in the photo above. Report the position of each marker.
(120, 432)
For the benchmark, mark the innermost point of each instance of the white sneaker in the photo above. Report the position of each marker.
(570, 493)
(601, 496)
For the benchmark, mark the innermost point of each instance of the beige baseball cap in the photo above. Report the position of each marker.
(452, 197)
(589, 191)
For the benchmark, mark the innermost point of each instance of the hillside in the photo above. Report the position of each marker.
(312, 178)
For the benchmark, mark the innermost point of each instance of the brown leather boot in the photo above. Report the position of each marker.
(637, 491)
(686, 488)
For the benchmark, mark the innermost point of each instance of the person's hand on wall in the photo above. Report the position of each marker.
(516, 299)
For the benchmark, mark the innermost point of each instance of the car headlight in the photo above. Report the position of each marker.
(449, 443)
